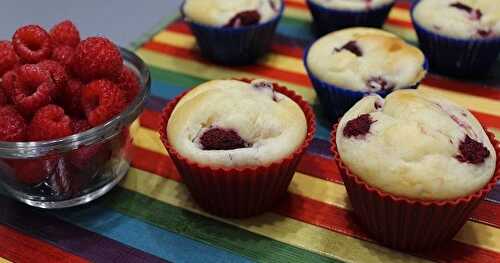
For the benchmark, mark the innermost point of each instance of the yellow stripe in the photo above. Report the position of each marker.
(295, 65)
(334, 194)
(277, 61)
(286, 230)
(211, 71)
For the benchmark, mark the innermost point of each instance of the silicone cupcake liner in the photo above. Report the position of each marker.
(234, 46)
(239, 192)
(457, 57)
(327, 19)
(404, 223)
(336, 100)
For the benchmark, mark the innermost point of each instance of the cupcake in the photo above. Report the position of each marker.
(331, 15)
(346, 65)
(415, 166)
(233, 32)
(236, 143)
(459, 37)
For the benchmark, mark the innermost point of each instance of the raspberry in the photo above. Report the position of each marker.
(12, 125)
(472, 151)
(63, 55)
(49, 123)
(379, 83)
(8, 57)
(358, 127)
(32, 171)
(351, 46)
(71, 100)
(222, 139)
(245, 18)
(57, 73)
(78, 126)
(33, 89)
(101, 101)
(32, 43)
(97, 57)
(128, 83)
(94, 155)
(65, 34)
(8, 83)
(3, 97)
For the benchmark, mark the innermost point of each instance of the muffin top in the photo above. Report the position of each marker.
(231, 123)
(415, 145)
(365, 59)
(460, 18)
(231, 14)
(352, 4)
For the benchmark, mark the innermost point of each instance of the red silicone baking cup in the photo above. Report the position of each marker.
(409, 224)
(239, 192)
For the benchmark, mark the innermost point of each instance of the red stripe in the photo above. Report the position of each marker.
(311, 164)
(480, 90)
(487, 119)
(261, 70)
(318, 213)
(18, 247)
(400, 23)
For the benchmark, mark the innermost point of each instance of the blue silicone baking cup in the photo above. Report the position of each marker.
(336, 100)
(234, 46)
(327, 20)
(456, 57)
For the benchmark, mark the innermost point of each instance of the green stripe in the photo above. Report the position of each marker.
(170, 77)
(210, 231)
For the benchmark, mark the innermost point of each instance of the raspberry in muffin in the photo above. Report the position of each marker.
(348, 64)
(416, 146)
(460, 18)
(231, 14)
(232, 123)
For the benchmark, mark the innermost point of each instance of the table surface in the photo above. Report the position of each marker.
(150, 216)
(121, 20)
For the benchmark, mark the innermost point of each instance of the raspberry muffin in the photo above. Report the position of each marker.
(233, 32)
(414, 154)
(348, 64)
(331, 15)
(460, 37)
(236, 143)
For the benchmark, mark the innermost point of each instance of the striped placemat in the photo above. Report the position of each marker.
(150, 216)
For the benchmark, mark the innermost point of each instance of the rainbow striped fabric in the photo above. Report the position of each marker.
(150, 216)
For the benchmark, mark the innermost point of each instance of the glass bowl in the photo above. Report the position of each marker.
(79, 168)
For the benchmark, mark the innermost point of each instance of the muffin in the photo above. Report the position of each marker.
(410, 160)
(236, 143)
(346, 65)
(233, 32)
(331, 15)
(459, 37)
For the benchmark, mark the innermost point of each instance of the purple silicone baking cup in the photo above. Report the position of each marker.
(327, 19)
(234, 46)
(456, 57)
(336, 100)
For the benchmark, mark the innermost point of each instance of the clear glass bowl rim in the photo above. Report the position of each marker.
(104, 132)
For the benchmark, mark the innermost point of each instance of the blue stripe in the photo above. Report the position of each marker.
(143, 236)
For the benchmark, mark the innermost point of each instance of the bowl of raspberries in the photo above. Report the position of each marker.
(66, 107)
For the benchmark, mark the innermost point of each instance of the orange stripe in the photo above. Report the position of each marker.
(261, 70)
(311, 164)
(316, 213)
(18, 247)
